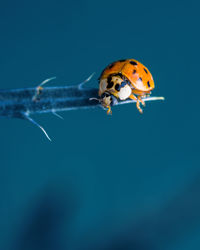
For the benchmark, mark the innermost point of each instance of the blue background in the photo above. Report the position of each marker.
(126, 181)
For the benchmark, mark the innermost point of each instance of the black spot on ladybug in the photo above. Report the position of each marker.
(148, 83)
(134, 71)
(111, 65)
(123, 60)
(145, 70)
(109, 79)
(110, 84)
(133, 63)
(117, 87)
(140, 79)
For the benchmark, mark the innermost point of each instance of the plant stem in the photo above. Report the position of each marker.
(21, 103)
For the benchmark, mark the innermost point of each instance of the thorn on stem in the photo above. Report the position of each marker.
(56, 114)
(27, 117)
(80, 86)
(39, 88)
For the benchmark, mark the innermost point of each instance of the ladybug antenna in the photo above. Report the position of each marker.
(96, 99)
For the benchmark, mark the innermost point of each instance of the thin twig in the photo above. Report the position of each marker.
(21, 103)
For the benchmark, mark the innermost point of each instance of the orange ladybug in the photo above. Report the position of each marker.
(122, 80)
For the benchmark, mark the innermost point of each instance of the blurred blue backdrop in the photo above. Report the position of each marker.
(126, 181)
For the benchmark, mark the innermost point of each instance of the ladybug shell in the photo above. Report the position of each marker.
(135, 72)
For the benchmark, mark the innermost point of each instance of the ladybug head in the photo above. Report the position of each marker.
(107, 99)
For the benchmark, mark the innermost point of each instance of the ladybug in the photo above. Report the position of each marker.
(125, 79)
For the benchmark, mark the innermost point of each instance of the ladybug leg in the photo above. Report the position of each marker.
(109, 111)
(140, 99)
(133, 97)
(138, 106)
